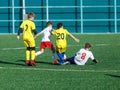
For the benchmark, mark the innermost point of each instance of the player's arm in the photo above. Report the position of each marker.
(53, 32)
(33, 27)
(35, 32)
(19, 31)
(38, 34)
(74, 38)
(95, 61)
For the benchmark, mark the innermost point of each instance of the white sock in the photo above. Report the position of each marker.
(54, 56)
(37, 53)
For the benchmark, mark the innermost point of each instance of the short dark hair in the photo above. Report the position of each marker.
(59, 25)
(87, 45)
(48, 23)
(31, 14)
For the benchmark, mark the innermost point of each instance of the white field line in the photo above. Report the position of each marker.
(57, 70)
(21, 48)
(102, 44)
(18, 48)
(13, 48)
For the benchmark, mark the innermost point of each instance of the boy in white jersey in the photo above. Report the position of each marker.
(82, 56)
(46, 43)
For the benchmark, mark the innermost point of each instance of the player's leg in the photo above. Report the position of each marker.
(53, 53)
(42, 47)
(61, 57)
(50, 46)
(71, 60)
(55, 62)
(61, 53)
(33, 56)
(27, 52)
(65, 57)
(39, 52)
(32, 47)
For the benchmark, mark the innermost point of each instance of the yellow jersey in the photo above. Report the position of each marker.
(27, 27)
(61, 38)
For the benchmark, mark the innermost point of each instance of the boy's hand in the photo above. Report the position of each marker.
(77, 40)
(35, 36)
(18, 37)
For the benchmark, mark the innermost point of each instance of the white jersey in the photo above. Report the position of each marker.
(46, 34)
(82, 56)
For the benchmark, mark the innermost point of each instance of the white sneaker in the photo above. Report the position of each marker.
(66, 63)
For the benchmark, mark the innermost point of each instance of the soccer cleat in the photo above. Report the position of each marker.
(66, 63)
(55, 62)
(27, 62)
(33, 63)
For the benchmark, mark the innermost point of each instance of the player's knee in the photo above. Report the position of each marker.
(32, 48)
(53, 50)
(42, 50)
(28, 48)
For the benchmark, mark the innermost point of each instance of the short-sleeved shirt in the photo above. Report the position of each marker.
(82, 56)
(46, 34)
(27, 27)
(61, 42)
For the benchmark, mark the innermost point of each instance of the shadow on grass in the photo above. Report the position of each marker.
(115, 76)
(50, 63)
(41, 62)
(5, 62)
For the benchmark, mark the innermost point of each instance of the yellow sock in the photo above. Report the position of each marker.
(33, 55)
(27, 55)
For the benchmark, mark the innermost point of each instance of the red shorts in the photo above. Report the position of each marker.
(46, 45)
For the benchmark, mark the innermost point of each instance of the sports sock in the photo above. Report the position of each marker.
(37, 53)
(27, 55)
(33, 55)
(54, 56)
(61, 57)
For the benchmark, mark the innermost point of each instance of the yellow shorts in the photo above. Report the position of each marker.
(61, 49)
(29, 42)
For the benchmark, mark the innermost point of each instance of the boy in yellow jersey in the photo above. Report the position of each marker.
(27, 27)
(61, 42)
